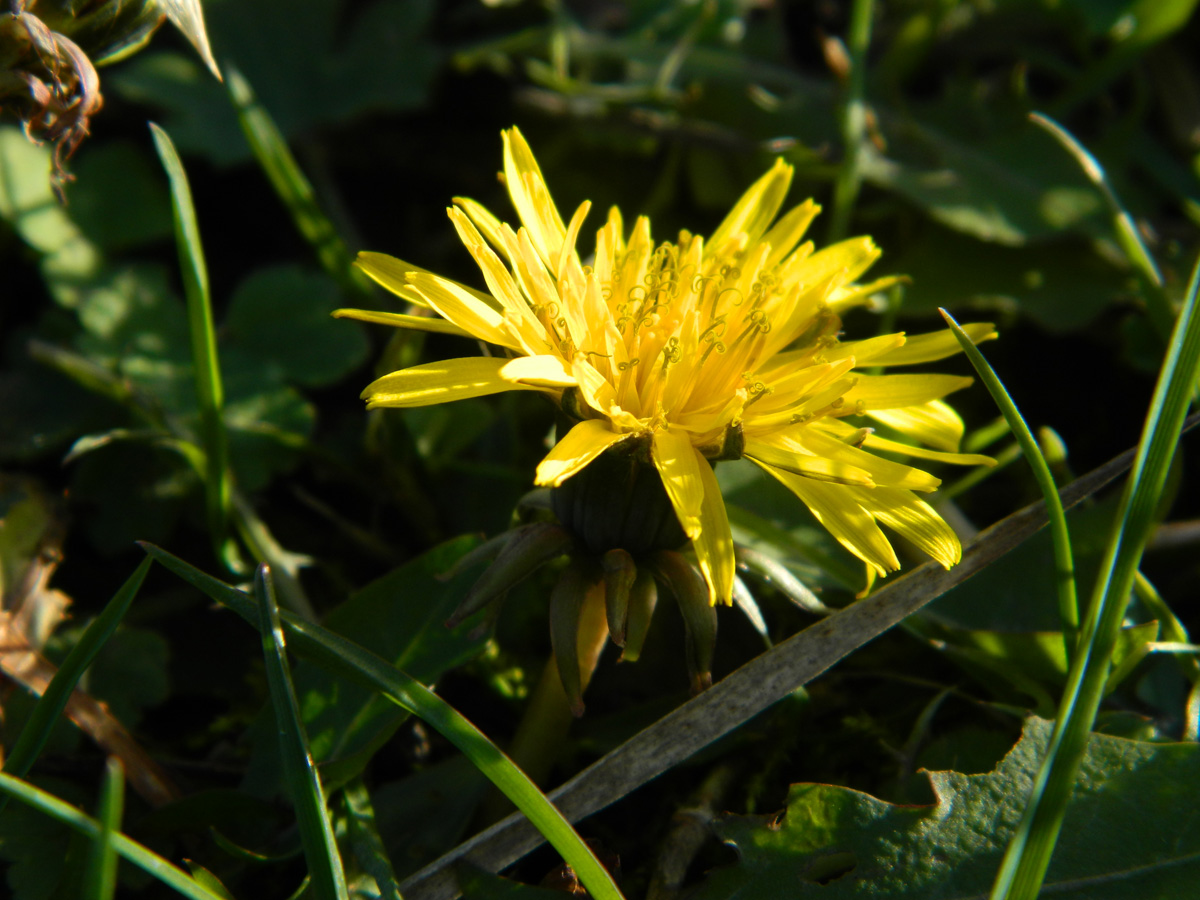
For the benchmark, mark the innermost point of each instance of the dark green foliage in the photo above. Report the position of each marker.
(369, 117)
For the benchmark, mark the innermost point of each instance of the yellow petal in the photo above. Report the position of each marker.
(922, 348)
(757, 207)
(538, 371)
(844, 261)
(582, 444)
(396, 320)
(864, 352)
(463, 309)
(836, 507)
(530, 196)
(852, 295)
(933, 423)
(679, 469)
(595, 389)
(441, 382)
(500, 282)
(895, 391)
(714, 545)
(844, 431)
(959, 459)
(391, 274)
(786, 233)
(916, 520)
(883, 472)
(487, 223)
(817, 467)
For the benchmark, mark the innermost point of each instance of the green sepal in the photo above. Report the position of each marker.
(566, 607)
(643, 597)
(620, 572)
(699, 616)
(528, 548)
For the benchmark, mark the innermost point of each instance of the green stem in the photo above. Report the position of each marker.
(547, 719)
(854, 120)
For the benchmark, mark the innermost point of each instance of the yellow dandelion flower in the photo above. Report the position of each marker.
(698, 349)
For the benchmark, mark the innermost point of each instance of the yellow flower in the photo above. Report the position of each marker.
(701, 349)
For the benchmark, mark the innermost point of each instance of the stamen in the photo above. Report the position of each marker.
(757, 391)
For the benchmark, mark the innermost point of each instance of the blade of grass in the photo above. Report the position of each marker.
(300, 773)
(206, 369)
(100, 882)
(1028, 854)
(293, 188)
(854, 120)
(50, 705)
(1158, 304)
(344, 657)
(142, 857)
(366, 841)
(208, 879)
(1064, 565)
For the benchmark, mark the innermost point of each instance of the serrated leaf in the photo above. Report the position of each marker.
(1130, 832)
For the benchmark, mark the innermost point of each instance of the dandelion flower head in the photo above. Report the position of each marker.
(698, 349)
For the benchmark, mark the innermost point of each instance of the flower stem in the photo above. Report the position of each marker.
(543, 729)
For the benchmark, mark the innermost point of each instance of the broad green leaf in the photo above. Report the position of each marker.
(309, 68)
(281, 315)
(130, 673)
(423, 815)
(1004, 189)
(27, 202)
(117, 198)
(1129, 832)
(1062, 284)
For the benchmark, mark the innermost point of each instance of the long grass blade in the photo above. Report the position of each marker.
(341, 656)
(100, 882)
(1028, 854)
(854, 120)
(50, 705)
(140, 856)
(206, 369)
(366, 841)
(1064, 565)
(304, 785)
(293, 188)
(1158, 303)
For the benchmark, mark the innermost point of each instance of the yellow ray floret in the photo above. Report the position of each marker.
(693, 350)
